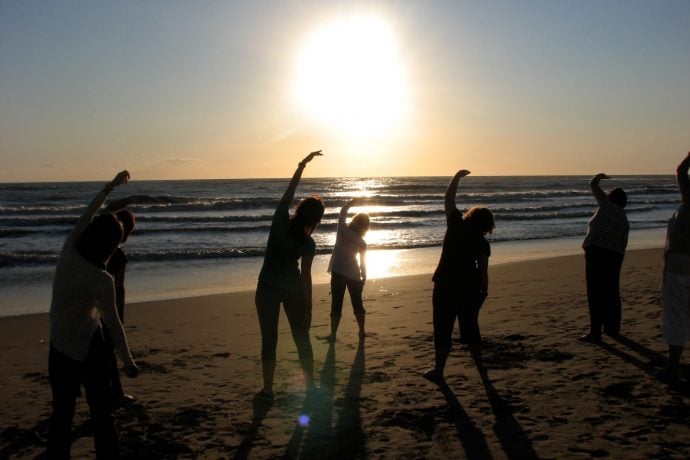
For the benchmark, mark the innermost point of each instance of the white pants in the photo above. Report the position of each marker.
(676, 294)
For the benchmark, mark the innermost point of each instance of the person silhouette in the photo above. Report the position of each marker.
(461, 280)
(282, 281)
(676, 277)
(604, 246)
(83, 294)
(346, 273)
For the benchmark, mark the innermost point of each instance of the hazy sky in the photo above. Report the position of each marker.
(223, 89)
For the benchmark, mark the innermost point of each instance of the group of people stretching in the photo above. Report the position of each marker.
(87, 306)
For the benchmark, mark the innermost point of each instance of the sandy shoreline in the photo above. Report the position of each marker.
(546, 395)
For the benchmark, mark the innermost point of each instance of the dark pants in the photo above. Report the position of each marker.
(66, 378)
(451, 302)
(603, 270)
(354, 287)
(116, 390)
(268, 299)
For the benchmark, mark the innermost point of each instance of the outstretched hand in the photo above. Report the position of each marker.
(602, 176)
(121, 178)
(311, 156)
(462, 173)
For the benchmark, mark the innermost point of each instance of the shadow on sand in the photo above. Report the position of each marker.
(315, 436)
(510, 434)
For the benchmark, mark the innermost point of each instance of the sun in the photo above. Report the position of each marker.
(350, 77)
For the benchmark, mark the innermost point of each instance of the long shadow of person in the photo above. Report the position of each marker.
(260, 409)
(655, 358)
(351, 442)
(513, 439)
(470, 435)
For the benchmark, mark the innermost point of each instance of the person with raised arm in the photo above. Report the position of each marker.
(83, 296)
(461, 280)
(676, 277)
(282, 281)
(604, 246)
(346, 273)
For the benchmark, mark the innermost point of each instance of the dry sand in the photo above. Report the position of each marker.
(545, 395)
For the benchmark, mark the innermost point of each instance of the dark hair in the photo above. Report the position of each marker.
(307, 216)
(360, 224)
(618, 196)
(481, 219)
(127, 219)
(100, 238)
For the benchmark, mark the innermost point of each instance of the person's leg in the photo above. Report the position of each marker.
(613, 306)
(294, 304)
(97, 389)
(469, 320)
(355, 288)
(338, 285)
(267, 301)
(676, 322)
(115, 384)
(444, 315)
(65, 380)
(593, 275)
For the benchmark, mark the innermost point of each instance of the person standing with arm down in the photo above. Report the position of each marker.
(461, 280)
(116, 266)
(604, 246)
(83, 295)
(676, 284)
(345, 271)
(282, 281)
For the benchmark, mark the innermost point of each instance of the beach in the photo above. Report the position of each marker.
(544, 393)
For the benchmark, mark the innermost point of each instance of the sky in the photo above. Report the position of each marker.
(239, 89)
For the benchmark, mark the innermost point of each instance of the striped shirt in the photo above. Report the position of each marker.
(608, 228)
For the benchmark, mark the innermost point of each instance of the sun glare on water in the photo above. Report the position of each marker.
(350, 78)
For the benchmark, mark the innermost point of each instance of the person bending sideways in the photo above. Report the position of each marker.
(461, 280)
(346, 273)
(83, 294)
(282, 281)
(676, 282)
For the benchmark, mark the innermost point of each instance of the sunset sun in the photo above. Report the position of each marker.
(350, 77)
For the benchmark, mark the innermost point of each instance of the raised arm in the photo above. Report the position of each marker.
(342, 217)
(682, 178)
(453, 190)
(121, 178)
(292, 187)
(598, 193)
(122, 203)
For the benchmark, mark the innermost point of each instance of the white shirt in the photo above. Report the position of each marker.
(347, 245)
(83, 294)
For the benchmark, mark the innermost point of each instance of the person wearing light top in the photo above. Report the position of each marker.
(83, 295)
(676, 281)
(604, 246)
(344, 269)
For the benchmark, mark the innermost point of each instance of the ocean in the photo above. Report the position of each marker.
(208, 236)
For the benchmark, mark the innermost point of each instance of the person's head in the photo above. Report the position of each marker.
(360, 224)
(128, 221)
(307, 216)
(100, 238)
(481, 219)
(618, 196)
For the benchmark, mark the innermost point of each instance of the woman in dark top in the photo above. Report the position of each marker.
(461, 280)
(282, 281)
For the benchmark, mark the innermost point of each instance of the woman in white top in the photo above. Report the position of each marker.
(83, 296)
(344, 269)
